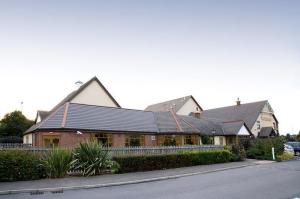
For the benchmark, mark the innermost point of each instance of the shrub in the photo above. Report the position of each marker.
(285, 156)
(166, 161)
(20, 165)
(262, 148)
(91, 159)
(238, 152)
(57, 163)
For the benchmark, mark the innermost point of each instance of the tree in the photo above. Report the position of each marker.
(14, 124)
(298, 137)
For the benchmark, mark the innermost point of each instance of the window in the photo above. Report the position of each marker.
(258, 125)
(197, 109)
(169, 140)
(134, 140)
(191, 139)
(104, 139)
(50, 142)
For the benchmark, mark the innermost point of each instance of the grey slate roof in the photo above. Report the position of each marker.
(266, 132)
(232, 128)
(247, 112)
(175, 104)
(100, 118)
(111, 119)
(43, 114)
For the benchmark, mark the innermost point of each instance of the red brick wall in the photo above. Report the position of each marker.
(118, 140)
(66, 139)
(149, 141)
(71, 139)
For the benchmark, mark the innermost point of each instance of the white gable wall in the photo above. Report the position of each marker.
(188, 107)
(94, 94)
(243, 131)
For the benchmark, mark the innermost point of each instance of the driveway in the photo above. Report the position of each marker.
(274, 181)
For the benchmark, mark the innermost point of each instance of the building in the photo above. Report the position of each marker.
(91, 112)
(181, 106)
(256, 115)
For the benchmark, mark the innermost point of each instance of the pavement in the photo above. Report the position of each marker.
(262, 180)
(75, 182)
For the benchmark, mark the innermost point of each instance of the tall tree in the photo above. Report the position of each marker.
(14, 124)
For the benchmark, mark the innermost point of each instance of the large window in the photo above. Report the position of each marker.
(51, 141)
(104, 139)
(134, 140)
(169, 140)
(191, 140)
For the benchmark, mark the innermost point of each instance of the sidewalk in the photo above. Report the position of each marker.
(70, 183)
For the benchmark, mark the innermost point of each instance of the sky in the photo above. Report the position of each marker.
(146, 52)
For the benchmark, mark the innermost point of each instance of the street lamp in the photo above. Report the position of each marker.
(213, 132)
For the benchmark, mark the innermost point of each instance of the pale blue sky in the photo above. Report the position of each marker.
(150, 51)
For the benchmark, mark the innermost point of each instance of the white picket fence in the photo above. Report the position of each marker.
(124, 151)
(160, 150)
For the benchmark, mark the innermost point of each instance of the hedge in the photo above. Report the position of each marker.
(166, 161)
(20, 165)
(261, 148)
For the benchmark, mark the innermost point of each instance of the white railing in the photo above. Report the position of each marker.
(160, 149)
(123, 151)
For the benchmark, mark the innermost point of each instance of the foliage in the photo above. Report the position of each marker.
(14, 124)
(285, 156)
(91, 159)
(205, 139)
(20, 165)
(238, 152)
(165, 161)
(57, 163)
(261, 148)
(11, 139)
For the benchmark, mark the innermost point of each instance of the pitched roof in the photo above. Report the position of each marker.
(42, 114)
(233, 128)
(73, 116)
(174, 104)
(248, 112)
(73, 94)
(266, 132)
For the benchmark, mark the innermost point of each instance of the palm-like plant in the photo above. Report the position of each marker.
(90, 159)
(58, 163)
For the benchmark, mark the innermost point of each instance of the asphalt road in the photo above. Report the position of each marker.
(274, 181)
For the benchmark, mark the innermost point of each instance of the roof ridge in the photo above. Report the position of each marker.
(188, 96)
(236, 105)
(111, 107)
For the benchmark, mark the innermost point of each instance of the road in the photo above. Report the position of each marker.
(274, 181)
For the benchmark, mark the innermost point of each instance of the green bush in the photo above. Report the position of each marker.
(285, 156)
(238, 152)
(20, 165)
(91, 159)
(166, 161)
(262, 148)
(57, 163)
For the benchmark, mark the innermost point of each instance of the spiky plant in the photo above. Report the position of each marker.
(58, 162)
(90, 159)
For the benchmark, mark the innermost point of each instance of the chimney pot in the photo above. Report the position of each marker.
(238, 102)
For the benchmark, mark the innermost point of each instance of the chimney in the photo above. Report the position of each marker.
(238, 102)
(196, 115)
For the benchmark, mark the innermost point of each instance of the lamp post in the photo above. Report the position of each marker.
(213, 132)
